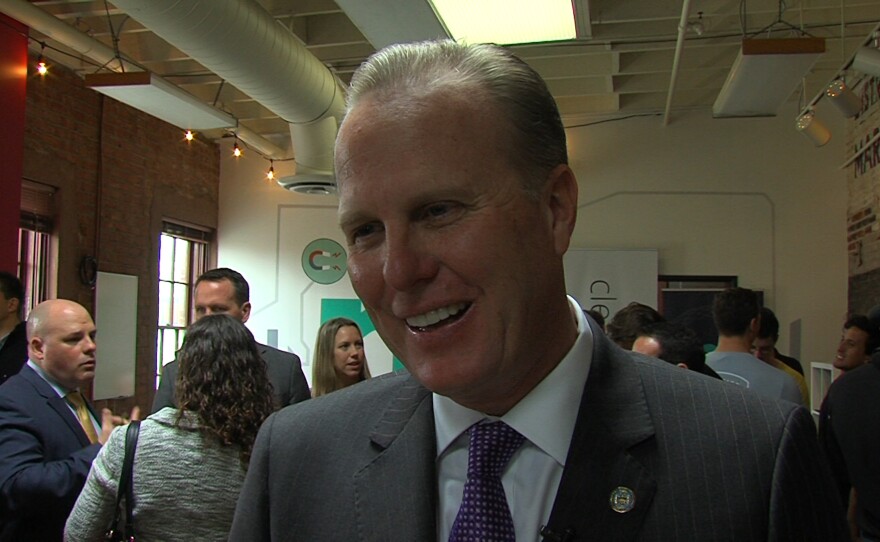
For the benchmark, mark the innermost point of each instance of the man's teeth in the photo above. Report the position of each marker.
(435, 316)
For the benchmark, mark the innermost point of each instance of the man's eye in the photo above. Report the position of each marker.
(436, 210)
(362, 232)
(441, 212)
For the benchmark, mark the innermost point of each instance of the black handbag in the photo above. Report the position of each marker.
(126, 532)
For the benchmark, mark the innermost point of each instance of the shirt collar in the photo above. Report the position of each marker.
(59, 389)
(546, 416)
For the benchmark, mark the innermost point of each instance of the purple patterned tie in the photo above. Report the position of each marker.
(484, 515)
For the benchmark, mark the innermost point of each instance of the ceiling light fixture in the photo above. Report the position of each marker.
(236, 150)
(811, 127)
(697, 26)
(157, 97)
(867, 60)
(42, 68)
(189, 135)
(765, 74)
(270, 175)
(843, 98)
(507, 22)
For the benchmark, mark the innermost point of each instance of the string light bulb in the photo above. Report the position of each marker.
(236, 150)
(42, 68)
(270, 175)
(188, 135)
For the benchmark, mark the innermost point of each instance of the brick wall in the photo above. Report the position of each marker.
(863, 179)
(118, 172)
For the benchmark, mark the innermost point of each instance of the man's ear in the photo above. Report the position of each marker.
(35, 349)
(755, 325)
(562, 195)
(245, 311)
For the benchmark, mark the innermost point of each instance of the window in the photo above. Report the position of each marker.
(183, 256)
(35, 253)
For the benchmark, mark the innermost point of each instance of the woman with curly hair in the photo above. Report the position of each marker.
(190, 462)
(339, 357)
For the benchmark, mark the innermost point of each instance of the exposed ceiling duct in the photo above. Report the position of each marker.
(241, 42)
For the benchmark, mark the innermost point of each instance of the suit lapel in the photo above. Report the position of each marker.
(613, 421)
(396, 490)
(58, 404)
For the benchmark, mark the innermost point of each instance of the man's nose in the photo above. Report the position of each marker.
(407, 260)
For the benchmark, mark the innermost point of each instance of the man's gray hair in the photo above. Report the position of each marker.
(421, 69)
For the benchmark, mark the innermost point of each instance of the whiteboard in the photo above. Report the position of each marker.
(116, 321)
(606, 280)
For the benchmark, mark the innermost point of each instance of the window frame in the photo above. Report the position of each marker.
(172, 322)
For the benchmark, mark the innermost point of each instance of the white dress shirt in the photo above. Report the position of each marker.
(545, 417)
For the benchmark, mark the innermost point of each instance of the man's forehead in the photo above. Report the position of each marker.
(855, 333)
(70, 322)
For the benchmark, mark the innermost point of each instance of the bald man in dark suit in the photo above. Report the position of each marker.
(46, 451)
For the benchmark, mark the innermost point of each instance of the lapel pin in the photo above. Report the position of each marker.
(622, 499)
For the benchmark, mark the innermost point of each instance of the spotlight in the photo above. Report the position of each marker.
(843, 98)
(815, 131)
(697, 26)
(867, 60)
(188, 135)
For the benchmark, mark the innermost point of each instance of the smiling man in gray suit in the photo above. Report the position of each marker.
(225, 291)
(457, 204)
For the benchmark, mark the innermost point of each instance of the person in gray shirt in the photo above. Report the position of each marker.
(737, 316)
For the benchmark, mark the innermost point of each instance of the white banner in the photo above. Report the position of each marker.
(607, 280)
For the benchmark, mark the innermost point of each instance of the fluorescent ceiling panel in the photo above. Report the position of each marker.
(764, 75)
(507, 21)
(157, 97)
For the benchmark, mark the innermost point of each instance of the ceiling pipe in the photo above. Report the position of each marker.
(68, 36)
(242, 43)
(679, 47)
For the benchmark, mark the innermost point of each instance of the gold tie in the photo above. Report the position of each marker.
(85, 419)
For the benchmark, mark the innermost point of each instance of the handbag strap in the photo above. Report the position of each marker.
(125, 482)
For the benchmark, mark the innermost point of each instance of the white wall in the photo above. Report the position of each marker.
(263, 230)
(745, 197)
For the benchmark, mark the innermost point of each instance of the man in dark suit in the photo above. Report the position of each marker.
(13, 337)
(457, 204)
(849, 431)
(225, 291)
(46, 450)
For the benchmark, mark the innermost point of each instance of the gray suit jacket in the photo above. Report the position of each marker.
(285, 373)
(706, 460)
